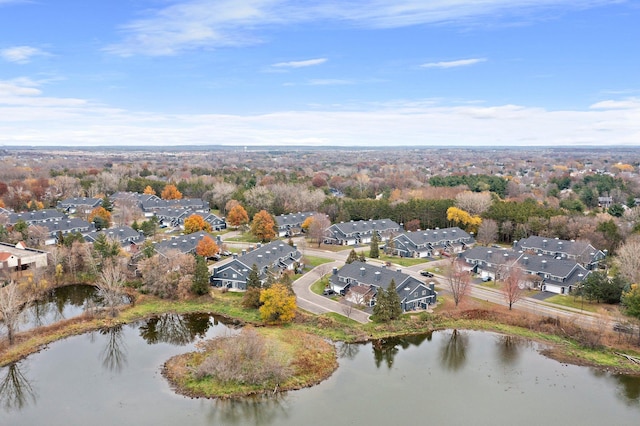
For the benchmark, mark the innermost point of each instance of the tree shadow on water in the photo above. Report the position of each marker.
(16, 391)
(453, 354)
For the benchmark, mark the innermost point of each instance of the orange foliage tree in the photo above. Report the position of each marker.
(149, 190)
(207, 247)
(237, 216)
(195, 223)
(263, 226)
(170, 192)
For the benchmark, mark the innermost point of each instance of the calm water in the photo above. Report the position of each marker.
(446, 378)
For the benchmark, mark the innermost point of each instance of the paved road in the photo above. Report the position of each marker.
(314, 303)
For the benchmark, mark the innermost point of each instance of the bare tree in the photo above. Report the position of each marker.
(458, 280)
(15, 390)
(628, 259)
(475, 203)
(488, 232)
(318, 227)
(110, 284)
(513, 289)
(13, 301)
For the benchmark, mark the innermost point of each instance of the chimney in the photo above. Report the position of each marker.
(526, 260)
(544, 264)
(244, 251)
(377, 275)
(544, 243)
(235, 255)
(335, 271)
(362, 270)
(432, 287)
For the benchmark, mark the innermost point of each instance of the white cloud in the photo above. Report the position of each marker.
(29, 116)
(198, 24)
(300, 64)
(454, 64)
(20, 54)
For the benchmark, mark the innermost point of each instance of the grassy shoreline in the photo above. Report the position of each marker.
(335, 327)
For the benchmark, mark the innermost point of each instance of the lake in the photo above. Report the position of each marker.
(444, 378)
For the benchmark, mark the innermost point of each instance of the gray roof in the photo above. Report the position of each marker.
(435, 237)
(292, 219)
(276, 252)
(557, 247)
(183, 244)
(79, 201)
(46, 215)
(156, 203)
(364, 226)
(72, 224)
(122, 234)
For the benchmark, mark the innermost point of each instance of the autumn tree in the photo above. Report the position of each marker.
(263, 226)
(278, 304)
(100, 217)
(512, 289)
(148, 190)
(170, 192)
(631, 301)
(352, 257)
(195, 223)
(461, 217)
(167, 276)
(237, 216)
(206, 247)
(200, 284)
(458, 281)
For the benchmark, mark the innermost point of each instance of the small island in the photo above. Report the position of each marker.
(255, 361)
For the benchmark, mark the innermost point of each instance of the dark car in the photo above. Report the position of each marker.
(328, 292)
(426, 274)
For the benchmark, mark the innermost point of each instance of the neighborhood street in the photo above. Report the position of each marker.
(318, 304)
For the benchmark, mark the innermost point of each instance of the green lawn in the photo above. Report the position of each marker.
(403, 261)
(575, 302)
(313, 261)
(319, 286)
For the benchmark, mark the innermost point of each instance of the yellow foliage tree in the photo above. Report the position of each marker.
(459, 216)
(170, 192)
(206, 247)
(2, 205)
(195, 223)
(307, 223)
(103, 214)
(263, 226)
(278, 304)
(149, 190)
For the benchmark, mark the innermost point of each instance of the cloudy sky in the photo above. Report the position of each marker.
(320, 72)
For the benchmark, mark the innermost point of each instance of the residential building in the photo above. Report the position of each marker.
(290, 224)
(183, 244)
(18, 257)
(581, 251)
(129, 238)
(360, 232)
(79, 204)
(36, 217)
(62, 228)
(431, 242)
(364, 280)
(270, 259)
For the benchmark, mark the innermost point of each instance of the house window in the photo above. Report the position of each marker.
(234, 276)
(224, 274)
(424, 292)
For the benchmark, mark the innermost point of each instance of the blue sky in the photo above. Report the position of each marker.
(331, 72)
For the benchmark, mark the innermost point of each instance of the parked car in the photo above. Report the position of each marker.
(426, 274)
(328, 292)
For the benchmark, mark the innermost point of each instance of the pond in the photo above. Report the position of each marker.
(443, 378)
(61, 303)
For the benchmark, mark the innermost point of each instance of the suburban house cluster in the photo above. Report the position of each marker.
(430, 242)
(360, 232)
(552, 265)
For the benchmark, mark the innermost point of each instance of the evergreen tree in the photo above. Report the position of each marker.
(107, 204)
(374, 250)
(361, 257)
(353, 256)
(200, 284)
(395, 310)
(253, 280)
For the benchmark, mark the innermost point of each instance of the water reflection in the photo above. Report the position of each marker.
(15, 389)
(259, 410)
(114, 354)
(508, 348)
(385, 350)
(176, 329)
(348, 350)
(453, 353)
